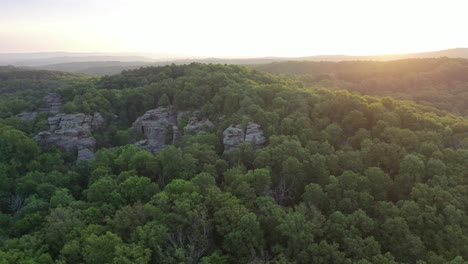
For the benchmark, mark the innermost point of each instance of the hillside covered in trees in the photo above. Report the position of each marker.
(440, 83)
(256, 168)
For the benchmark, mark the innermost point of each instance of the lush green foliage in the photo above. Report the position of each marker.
(344, 178)
(440, 83)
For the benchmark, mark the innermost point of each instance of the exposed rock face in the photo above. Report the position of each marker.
(156, 126)
(70, 132)
(195, 126)
(254, 134)
(234, 136)
(160, 127)
(84, 155)
(98, 121)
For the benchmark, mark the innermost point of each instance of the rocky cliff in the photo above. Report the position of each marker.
(72, 131)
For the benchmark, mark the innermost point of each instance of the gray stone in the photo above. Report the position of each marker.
(156, 126)
(160, 127)
(84, 154)
(254, 134)
(73, 121)
(71, 132)
(98, 121)
(232, 137)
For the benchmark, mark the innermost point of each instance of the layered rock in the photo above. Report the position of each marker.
(160, 127)
(234, 136)
(254, 134)
(71, 132)
(156, 126)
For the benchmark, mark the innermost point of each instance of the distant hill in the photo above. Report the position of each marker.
(45, 58)
(437, 82)
(95, 67)
(66, 59)
(114, 63)
(16, 79)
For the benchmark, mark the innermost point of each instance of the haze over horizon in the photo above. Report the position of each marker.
(241, 29)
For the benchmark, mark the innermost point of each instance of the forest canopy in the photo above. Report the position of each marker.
(436, 82)
(342, 178)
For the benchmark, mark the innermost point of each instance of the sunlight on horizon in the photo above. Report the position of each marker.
(235, 29)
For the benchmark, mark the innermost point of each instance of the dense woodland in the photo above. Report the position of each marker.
(344, 178)
(440, 83)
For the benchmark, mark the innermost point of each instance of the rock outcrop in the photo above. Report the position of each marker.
(73, 131)
(156, 126)
(254, 134)
(84, 154)
(234, 136)
(160, 127)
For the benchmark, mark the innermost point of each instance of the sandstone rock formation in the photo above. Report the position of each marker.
(234, 136)
(254, 134)
(73, 131)
(156, 126)
(160, 127)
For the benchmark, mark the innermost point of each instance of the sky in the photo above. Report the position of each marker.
(234, 28)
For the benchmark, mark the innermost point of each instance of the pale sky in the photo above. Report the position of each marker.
(233, 28)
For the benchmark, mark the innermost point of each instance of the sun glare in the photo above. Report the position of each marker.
(241, 28)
